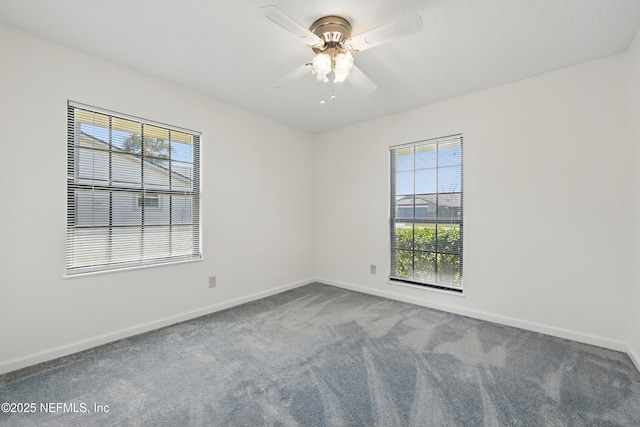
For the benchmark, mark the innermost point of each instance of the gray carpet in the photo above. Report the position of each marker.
(324, 356)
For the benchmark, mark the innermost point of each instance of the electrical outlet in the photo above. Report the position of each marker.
(212, 281)
(372, 269)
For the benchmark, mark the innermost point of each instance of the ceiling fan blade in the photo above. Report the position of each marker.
(293, 75)
(401, 27)
(279, 17)
(361, 82)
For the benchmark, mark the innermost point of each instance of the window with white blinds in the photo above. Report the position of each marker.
(426, 213)
(133, 192)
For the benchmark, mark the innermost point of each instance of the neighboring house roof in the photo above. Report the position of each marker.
(451, 200)
(148, 163)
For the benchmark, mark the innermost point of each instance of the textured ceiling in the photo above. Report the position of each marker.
(228, 50)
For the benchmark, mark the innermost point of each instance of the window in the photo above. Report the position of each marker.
(148, 201)
(426, 213)
(133, 192)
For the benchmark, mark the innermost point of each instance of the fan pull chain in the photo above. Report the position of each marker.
(322, 102)
(333, 95)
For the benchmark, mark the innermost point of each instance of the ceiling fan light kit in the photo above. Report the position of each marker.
(332, 55)
(330, 39)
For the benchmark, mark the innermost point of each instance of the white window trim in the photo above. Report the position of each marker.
(412, 281)
(193, 251)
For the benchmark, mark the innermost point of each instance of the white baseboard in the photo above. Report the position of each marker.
(635, 357)
(65, 350)
(44, 356)
(481, 315)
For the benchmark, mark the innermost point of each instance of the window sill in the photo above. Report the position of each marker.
(137, 267)
(427, 288)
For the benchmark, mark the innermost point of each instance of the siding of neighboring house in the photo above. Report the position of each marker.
(426, 206)
(106, 219)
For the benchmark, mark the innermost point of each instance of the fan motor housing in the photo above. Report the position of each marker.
(333, 30)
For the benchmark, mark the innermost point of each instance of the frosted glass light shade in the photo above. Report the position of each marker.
(343, 65)
(321, 66)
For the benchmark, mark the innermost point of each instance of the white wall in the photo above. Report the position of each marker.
(633, 325)
(548, 173)
(257, 206)
(544, 196)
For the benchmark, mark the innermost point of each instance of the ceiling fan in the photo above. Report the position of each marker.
(330, 39)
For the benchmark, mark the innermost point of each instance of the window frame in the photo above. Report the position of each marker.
(148, 201)
(93, 194)
(398, 215)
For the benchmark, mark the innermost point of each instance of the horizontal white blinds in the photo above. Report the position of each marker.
(426, 212)
(133, 192)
